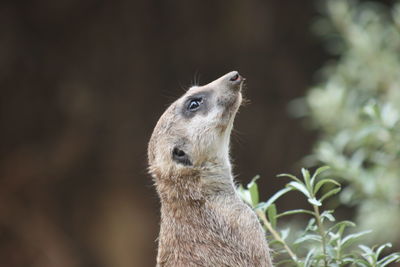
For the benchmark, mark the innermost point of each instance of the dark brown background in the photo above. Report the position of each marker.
(83, 84)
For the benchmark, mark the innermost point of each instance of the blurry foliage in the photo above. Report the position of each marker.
(356, 110)
(323, 241)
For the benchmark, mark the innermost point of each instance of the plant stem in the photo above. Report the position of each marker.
(321, 232)
(275, 234)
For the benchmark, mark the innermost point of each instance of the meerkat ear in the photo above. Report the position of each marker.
(181, 157)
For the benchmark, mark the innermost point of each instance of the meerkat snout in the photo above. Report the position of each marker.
(232, 80)
(203, 220)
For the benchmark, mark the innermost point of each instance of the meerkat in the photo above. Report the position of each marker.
(203, 220)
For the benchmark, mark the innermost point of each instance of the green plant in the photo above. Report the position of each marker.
(356, 110)
(323, 241)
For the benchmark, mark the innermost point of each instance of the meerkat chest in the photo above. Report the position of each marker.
(221, 233)
(234, 220)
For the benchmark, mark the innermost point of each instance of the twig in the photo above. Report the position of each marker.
(275, 234)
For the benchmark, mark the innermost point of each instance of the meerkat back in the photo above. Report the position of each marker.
(203, 220)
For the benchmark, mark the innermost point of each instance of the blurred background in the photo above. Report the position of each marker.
(83, 83)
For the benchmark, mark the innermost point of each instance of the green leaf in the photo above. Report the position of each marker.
(362, 263)
(367, 250)
(290, 176)
(244, 194)
(299, 187)
(368, 255)
(306, 178)
(264, 205)
(328, 214)
(350, 239)
(314, 202)
(310, 225)
(271, 211)
(322, 182)
(350, 259)
(308, 259)
(334, 239)
(285, 233)
(395, 257)
(382, 247)
(253, 189)
(274, 242)
(307, 237)
(341, 226)
(316, 173)
(330, 193)
(297, 211)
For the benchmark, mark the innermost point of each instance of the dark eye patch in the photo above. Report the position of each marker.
(198, 103)
(181, 157)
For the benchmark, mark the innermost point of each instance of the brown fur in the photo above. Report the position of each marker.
(203, 220)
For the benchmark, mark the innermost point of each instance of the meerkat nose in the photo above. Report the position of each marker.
(235, 78)
(232, 80)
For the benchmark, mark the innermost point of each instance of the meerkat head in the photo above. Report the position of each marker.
(194, 132)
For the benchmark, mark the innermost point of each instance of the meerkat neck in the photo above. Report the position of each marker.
(198, 184)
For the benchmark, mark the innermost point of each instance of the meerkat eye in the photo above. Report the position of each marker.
(194, 104)
(178, 153)
(180, 157)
